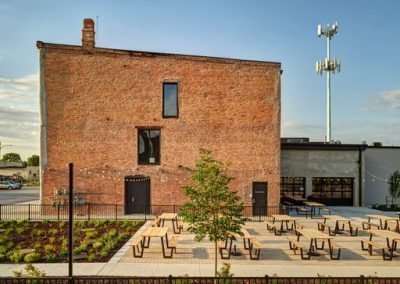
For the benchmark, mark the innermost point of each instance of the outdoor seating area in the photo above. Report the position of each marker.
(283, 239)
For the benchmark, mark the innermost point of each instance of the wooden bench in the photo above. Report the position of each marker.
(323, 226)
(272, 227)
(173, 243)
(288, 204)
(223, 245)
(354, 229)
(332, 249)
(303, 211)
(156, 222)
(295, 245)
(256, 245)
(327, 210)
(371, 244)
(367, 225)
(137, 246)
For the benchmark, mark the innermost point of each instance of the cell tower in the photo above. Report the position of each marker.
(329, 66)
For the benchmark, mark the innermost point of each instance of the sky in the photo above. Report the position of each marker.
(365, 94)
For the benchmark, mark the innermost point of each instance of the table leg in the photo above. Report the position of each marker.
(146, 242)
(163, 247)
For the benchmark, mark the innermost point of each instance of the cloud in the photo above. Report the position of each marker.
(20, 88)
(19, 123)
(387, 100)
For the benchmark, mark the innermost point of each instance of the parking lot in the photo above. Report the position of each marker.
(19, 195)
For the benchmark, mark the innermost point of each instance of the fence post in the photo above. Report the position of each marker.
(116, 211)
(0, 211)
(58, 212)
(29, 212)
(266, 279)
(362, 279)
(170, 279)
(88, 210)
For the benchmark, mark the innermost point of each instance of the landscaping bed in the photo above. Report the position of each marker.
(47, 241)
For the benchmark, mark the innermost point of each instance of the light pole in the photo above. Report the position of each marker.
(2, 146)
(329, 66)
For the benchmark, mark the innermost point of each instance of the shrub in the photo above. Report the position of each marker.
(97, 245)
(49, 249)
(30, 271)
(52, 240)
(19, 230)
(37, 246)
(91, 257)
(2, 257)
(15, 256)
(32, 257)
(3, 250)
(50, 257)
(91, 234)
(10, 244)
(52, 232)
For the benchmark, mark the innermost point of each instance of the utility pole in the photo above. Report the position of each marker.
(329, 66)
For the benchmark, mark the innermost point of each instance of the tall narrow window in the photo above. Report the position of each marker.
(170, 100)
(149, 146)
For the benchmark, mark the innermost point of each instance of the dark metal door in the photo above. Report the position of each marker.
(260, 198)
(137, 195)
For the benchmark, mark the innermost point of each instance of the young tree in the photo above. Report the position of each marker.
(213, 210)
(33, 161)
(12, 157)
(394, 186)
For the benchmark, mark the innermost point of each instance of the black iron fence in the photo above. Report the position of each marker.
(92, 211)
(201, 280)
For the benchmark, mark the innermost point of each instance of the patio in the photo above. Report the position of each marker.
(275, 250)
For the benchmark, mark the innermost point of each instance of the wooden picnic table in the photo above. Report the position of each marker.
(383, 220)
(160, 232)
(313, 235)
(313, 206)
(392, 238)
(283, 218)
(173, 217)
(338, 219)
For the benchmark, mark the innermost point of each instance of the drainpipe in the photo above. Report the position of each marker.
(360, 163)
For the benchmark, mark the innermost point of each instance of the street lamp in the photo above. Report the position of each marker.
(329, 66)
(2, 146)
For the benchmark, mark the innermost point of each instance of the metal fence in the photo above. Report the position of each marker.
(201, 280)
(91, 211)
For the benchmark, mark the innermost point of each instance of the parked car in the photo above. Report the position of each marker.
(20, 185)
(8, 185)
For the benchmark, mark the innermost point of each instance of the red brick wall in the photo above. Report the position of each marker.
(95, 100)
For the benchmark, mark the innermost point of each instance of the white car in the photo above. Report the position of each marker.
(9, 185)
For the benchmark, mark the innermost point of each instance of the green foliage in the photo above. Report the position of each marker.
(2, 257)
(91, 234)
(225, 271)
(33, 161)
(10, 244)
(91, 257)
(11, 157)
(16, 256)
(52, 240)
(37, 246)
(394, 186)
(213, 210)
(30, 271)
(49, 249)
(97, 245)
(32, 257)
(52, 232)
(3, 250)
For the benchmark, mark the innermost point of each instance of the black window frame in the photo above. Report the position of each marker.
(293, 184)
(177, 100)
(157, 161)
(327, 187)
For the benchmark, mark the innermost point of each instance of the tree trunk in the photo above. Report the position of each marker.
(216, 258)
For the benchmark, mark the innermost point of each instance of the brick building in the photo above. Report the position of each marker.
(130, 121)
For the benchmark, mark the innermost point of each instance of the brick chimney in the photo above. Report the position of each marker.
(88, 34)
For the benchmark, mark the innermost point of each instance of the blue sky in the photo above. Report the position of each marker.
(365, 95)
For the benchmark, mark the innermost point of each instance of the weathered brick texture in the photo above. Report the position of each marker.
(96, 98)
